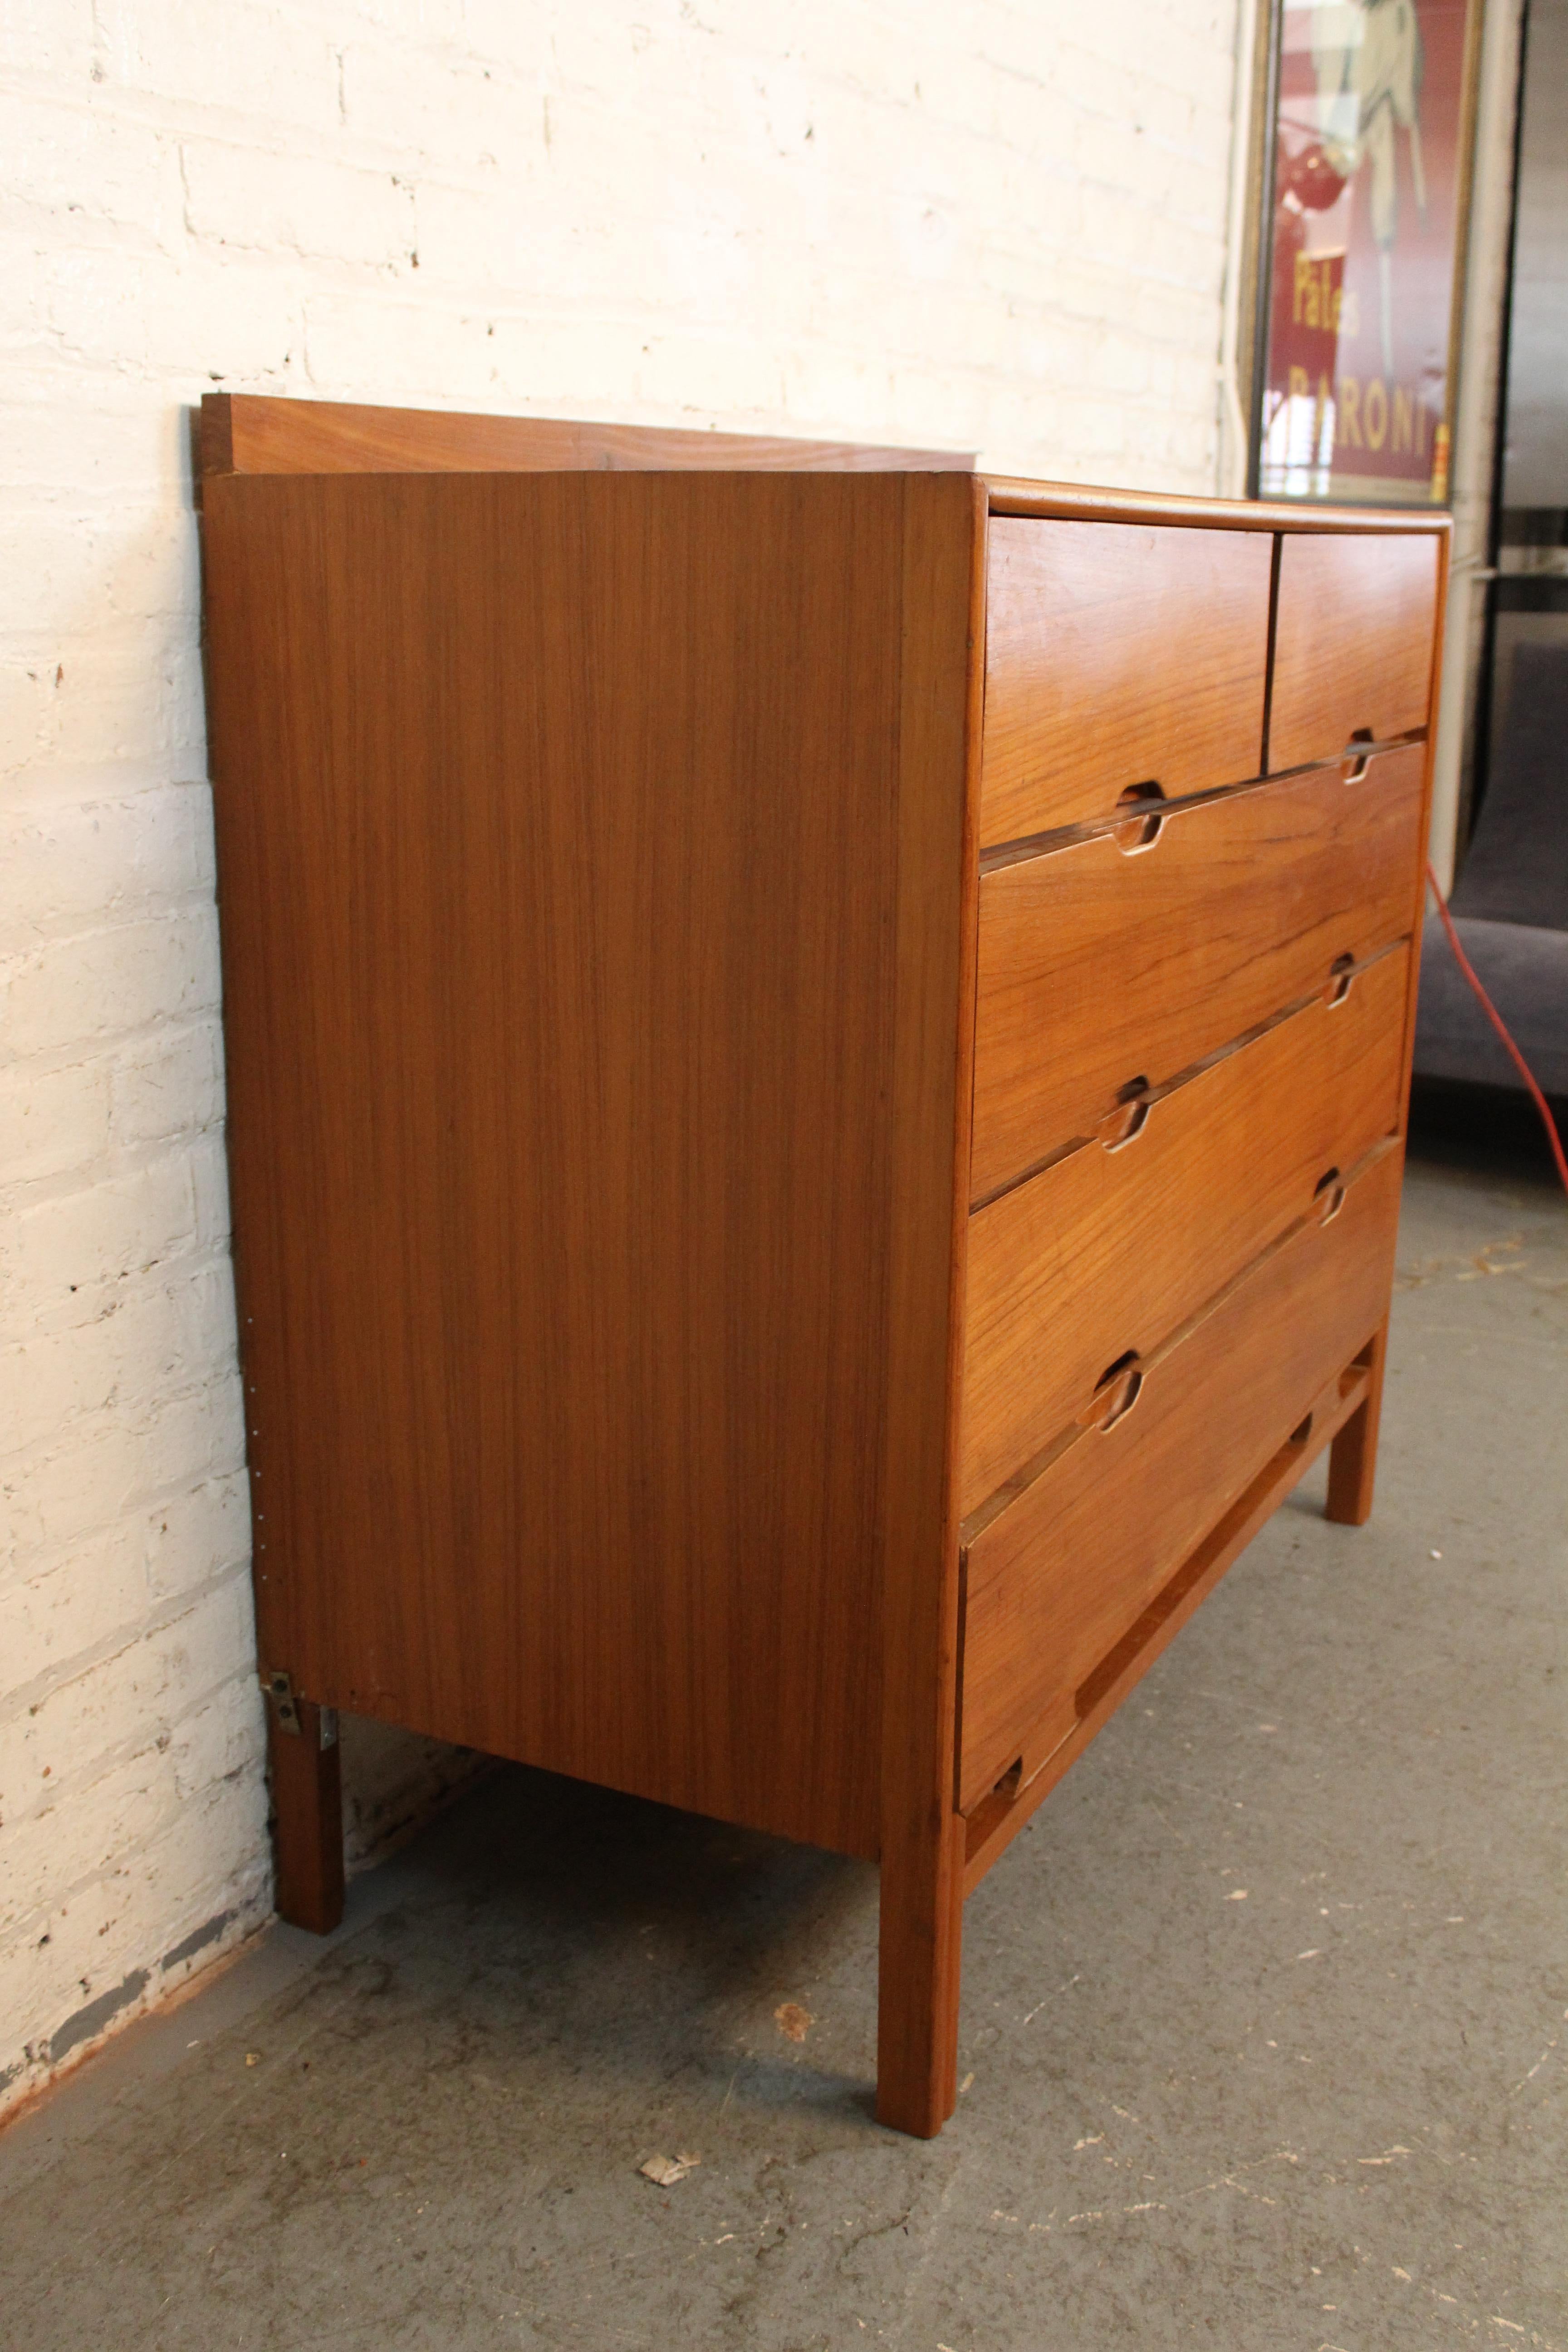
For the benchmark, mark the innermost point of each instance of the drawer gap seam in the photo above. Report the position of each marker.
(1341, 974)
(986, 1514)
(996, 855)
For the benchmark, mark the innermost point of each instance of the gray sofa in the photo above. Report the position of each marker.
(1511, 905)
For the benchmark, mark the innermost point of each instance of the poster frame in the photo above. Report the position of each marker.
(1386, 493)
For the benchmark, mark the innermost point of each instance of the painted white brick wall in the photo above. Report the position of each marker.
(988, 225)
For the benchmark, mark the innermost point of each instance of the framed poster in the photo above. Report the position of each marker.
(1366, 200)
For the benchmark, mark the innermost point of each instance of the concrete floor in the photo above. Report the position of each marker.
(1265, 2023)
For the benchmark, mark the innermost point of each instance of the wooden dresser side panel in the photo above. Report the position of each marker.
(558, 853)
(922, 1850)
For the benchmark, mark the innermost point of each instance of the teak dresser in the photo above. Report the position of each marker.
(817, 1047)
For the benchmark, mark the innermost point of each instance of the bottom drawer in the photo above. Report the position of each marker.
(1053, 1582)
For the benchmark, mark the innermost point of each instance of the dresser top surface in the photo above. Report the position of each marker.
(1010, 495)
(262, 433)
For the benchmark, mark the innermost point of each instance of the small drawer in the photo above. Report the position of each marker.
(1352, 643)
(1062, 1575)
(1118, 654)
(1101, 965)
(1113, 1247)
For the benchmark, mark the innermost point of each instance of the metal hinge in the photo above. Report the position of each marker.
(279, 1688)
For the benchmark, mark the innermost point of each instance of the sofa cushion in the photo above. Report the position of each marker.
(1523, 968)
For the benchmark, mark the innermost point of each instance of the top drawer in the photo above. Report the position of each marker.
(1116, 654)
(1352, 643)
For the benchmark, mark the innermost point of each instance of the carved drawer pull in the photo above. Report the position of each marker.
(1124, 1125)
(1329, 1195)
(1357, 760)
(1115, 1393)
(1146, 819)
(1337, 987)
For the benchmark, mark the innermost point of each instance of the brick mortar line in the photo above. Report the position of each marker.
(145, 1500)
(50, 1560)
(124, 1642)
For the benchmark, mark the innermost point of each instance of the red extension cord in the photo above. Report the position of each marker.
(1495, 1017)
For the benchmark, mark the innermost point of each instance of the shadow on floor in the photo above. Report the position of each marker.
(1488, 1129)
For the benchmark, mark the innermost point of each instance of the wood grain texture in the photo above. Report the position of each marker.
(922, 1840)
(1055, 1581)
(307, 1819)
(1096, 968)
(254, 433)
(1118, 653)
(559, 840)
(1352, 643)
(1109, 1251)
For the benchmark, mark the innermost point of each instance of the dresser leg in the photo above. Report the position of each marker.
(1353, 1457)
(307, 1815)
(918, 1979)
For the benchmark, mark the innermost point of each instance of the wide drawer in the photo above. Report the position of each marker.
(1098, 969)
(1057, 1579)
(1118, 653)
(1113, 1247)
(1352, 641)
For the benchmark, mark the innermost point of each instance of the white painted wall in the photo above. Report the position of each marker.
(987, 226)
